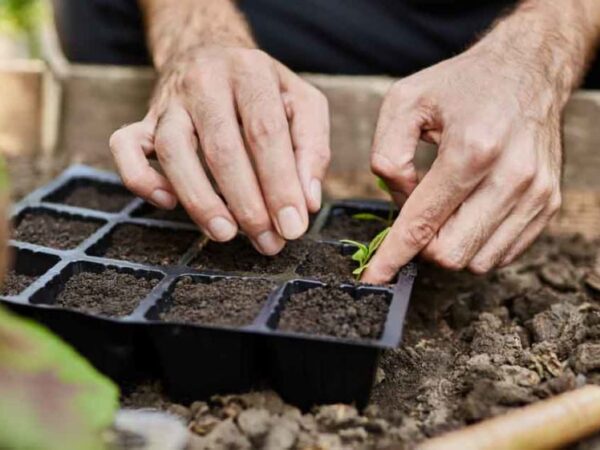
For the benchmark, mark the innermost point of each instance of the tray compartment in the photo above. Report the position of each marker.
(311, 369)
(26, 263)
(200, 360)
(105, 196)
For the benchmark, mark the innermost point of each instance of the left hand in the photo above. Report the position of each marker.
(495, 183)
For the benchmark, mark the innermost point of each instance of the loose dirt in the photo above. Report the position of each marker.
(232, 302)
(473, 347)
(148, 245)
(106, 198)
(108, 293)
(333, 312)
(239, 255)
(14, 283)
(324, 261)
(175, 215)
(54, 231)
(343, 226)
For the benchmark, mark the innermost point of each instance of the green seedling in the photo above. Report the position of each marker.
(364, 253)
(374, 217)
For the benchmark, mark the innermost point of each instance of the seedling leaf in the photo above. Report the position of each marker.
(382, 185)
(369, 216)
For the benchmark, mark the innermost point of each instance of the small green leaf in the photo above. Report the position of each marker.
(369, 216)
(376, 242)
(382, 185)
(359, 270)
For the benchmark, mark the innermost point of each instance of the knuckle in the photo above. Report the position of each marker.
(220, 155)
(543, 191)
(164, 147)
(523, 174)
(482, 149)
(254, 57)
(384, 167)
(262, 128)
(116, 140)
(448, 259)
(419, 233)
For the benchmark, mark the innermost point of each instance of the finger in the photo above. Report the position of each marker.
(175, 148)
(308, 113)
(267, 133)
(533, 230)
(129, 147)
(471, 226)
(214, 117)
(459, 168)
(532, 208)
(396, 137)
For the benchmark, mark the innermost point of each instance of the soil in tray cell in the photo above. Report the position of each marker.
(240, 256)
(334, 312)
(14, 283)
(344, 226)
(230, 302)
(109, 293)
(175, 215)
(326, 261)
(148, 245)
(59, 232)
(98, 196)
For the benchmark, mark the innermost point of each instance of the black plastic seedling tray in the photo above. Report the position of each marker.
(194, 361)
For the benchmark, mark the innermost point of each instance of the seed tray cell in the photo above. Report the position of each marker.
(160, 267)
(147, 211)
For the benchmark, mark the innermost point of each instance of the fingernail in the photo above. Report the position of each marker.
(221, 229)
(315, 191)
(163, 199)
(269, 243)
(290, 222)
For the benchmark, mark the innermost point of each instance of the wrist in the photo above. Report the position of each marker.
(549, 45)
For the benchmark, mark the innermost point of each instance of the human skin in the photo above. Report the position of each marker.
(495, 113)
(225, 110)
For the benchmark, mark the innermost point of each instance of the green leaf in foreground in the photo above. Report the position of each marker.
(50, 397)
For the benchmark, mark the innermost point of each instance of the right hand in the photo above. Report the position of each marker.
(262, 132)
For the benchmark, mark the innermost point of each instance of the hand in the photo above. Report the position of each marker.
(495, 183)
(263, 133)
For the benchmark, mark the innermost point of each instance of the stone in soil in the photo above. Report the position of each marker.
(109, 293)
(14, 283)
(59, 232)
(148, 245)
(343, 226)
(239, 255)
(178, 214)
(101, 197)
(230, 302)
(334, 312)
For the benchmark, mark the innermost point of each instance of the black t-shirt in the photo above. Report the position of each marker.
(395, 37)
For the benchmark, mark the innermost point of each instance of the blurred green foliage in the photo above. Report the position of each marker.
(50, 397)
(23, 17)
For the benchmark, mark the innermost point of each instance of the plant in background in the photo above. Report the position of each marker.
(365, 252)
(23, 17)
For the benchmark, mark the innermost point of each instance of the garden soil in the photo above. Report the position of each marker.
(474, 347)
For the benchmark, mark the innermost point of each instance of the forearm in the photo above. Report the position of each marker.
(177, 27)
(555, 39)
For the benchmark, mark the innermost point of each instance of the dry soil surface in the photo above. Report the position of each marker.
(474, 347)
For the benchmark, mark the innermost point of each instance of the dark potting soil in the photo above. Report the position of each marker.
(325, 261)
(333, 312)
(148, 245)
(473, 347)
(175, 215)
(106, 199)
(239, 255)
(14, 283)
(231, 302)
(54, 231)
(342, 226)
(109, 293)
